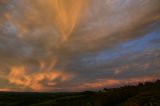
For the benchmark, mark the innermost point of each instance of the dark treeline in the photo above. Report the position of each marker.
(143, 94)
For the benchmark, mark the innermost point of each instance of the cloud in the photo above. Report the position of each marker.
(34, 80)
(52, 44)
(109, 83)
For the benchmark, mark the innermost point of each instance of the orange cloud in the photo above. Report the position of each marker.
(67, 15)
(5, 89)
(108, 83)
(20, 76)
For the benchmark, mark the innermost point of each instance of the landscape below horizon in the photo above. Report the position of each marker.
(143, 94)
(79, 45)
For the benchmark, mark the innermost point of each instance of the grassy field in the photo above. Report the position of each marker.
(147, 94)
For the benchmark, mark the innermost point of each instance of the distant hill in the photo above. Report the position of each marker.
(144, 94)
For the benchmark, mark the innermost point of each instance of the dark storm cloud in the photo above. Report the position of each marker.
(103, 43)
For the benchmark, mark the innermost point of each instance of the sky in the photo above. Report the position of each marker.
(78, 45)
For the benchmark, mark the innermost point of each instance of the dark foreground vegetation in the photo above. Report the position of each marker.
(144, 94)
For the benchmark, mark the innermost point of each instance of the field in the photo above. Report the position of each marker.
(144, 94)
